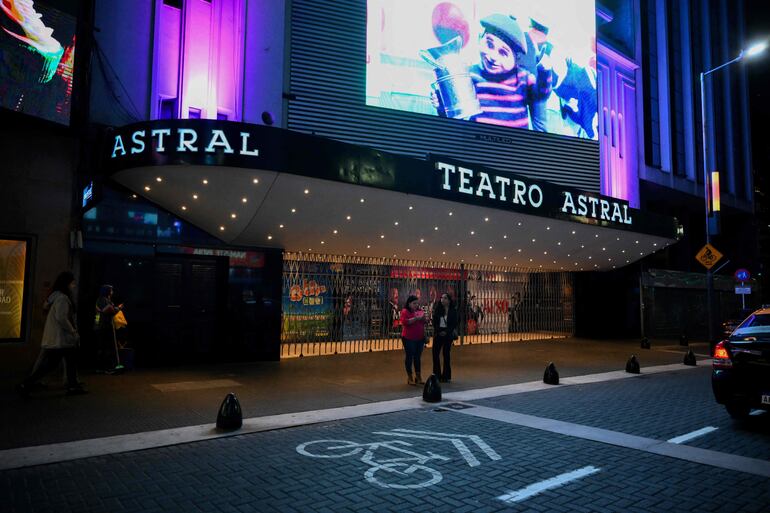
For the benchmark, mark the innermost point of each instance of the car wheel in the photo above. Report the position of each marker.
(738, 410)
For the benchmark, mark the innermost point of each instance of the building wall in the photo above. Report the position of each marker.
(36, 199)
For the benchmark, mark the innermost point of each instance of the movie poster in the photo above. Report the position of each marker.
(37, 57)
(307, 306)
(527, 64)
(13, 260)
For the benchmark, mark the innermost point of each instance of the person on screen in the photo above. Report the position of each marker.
(504, 88)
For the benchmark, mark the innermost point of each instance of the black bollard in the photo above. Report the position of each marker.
(632, 365)
(551, 375)
(682, 339)
(645, 343)
(230, 416)
(689, 358)
(431, 392)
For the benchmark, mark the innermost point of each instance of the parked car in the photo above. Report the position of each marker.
(740, 375)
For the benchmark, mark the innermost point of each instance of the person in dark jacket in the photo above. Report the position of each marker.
(444, 326)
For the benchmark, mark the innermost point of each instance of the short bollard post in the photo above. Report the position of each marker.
(632, 365)
(230, 416)
(551, 375)
(431, 392)
(645, 343)
(689, 358)
(683, 340)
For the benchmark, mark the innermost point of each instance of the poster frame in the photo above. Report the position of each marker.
(30, 242)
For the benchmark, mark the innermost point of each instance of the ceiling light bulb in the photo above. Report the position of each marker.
(335, 232)
(221, 228)
(490, 247)
(362, 200)
(205, 182)
(573, 232)
(410, 207)
(233, 215)
(435, 227)
(147, 188)
(422, 240)
(396, 223)
(382, 236)
(184, 208)
(348, 218)
(458, 243)
(547, 227)
(256, 180)
(244, 200)
(269, 237)
(293, 210)
(486, 219)
(473, 233)
(519, 250)
(158, 179)
(533, 240)
(280, 226)
(451, 213)
(368, 246)
(443, 252)
(195, 196)
(505, 236)
(307, 191)
(323, 242)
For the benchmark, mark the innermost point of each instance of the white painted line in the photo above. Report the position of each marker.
(682, 452)
(491, 453)
(689, 436)
(67, 451)
(554, 482)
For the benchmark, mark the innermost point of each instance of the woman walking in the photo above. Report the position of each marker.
(444, 325)
(60, 338)
(413, 337)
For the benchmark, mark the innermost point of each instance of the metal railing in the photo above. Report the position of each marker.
(341, 304)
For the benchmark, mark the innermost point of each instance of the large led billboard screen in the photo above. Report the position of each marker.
(528, 64)
(37, 56)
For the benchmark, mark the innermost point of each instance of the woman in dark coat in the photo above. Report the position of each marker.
(444, 326)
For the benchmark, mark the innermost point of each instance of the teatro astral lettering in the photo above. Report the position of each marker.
(183, 140)
(518, 191)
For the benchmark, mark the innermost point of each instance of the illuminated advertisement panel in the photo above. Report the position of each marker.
(527, 64)
(37, 56)
(13, 267)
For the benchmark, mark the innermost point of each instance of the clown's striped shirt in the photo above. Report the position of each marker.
(505, 103)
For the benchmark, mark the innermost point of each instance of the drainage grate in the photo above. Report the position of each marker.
(458, 406)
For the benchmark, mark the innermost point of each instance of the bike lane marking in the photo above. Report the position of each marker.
(662, 448)
(691, 435)
(548, 484)
(454, 438)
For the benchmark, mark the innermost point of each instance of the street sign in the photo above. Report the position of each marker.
(708, 256)
(743, 290)
(742, 275)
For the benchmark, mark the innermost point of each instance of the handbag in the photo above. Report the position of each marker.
(119, 320)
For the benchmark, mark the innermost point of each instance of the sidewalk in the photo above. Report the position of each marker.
(155, 399)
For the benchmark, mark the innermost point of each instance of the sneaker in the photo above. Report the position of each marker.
(78, 390)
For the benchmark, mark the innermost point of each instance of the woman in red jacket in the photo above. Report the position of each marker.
(413, 320)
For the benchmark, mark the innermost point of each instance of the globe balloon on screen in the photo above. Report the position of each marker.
(449, 22)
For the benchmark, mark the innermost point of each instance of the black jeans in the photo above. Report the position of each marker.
(413, 353)
(105, 349)
(50, 359)
(442, 344)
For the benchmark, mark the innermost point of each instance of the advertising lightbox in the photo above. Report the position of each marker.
(527, 64)
(13, 273)
(37, 59)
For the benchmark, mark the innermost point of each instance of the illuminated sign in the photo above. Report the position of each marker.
(181, 140)
(526, 193)
(13, 266)
(88, 193)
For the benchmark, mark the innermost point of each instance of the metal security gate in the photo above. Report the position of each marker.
(340, 304)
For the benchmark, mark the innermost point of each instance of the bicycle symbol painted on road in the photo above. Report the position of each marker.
(403, 467)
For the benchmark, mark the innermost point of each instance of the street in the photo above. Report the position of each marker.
(653, 442)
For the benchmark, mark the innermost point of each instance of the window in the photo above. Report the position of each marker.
(168, 108)
(650, 73)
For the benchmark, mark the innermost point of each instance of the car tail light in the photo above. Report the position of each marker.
(721, 356)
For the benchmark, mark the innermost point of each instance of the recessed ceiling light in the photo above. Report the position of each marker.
(293, 210)
(335, 232)
(477, 255)
(505, 258)
(411, 207)
(348, 218)
(362, 200)
(382, 236)
(280, 226)
(596, 236)
(582, 246)
(490, 247)
(519, 223)
(558, 243)
(408, 250)
(473, 233)
(205, 182)
(307, 191)
(195, 196)
(158, 179)
(394, 255)
(233, 215)
(554, 261)
(617, 238)
(505, 236)
(622, 250)
(533, 240)
(609, 260)
(443, 252)
(244, 200)
(355, 252)
(323, 242)
(368, 246)
(147, 188)
(547, 227)
(221, 228)
(604, 249)
(573, 232)
(519, 250)
(486, 219)
(530, 259)
(654, 243)
(451, 213)
(458, 243)
(589, 257)
(133, 196)
(422, 240)
(269, 237)
(396, 223)
(435, 227)
(636, 241)
(545, 252)
(184, 208)
(310, 249)
(256, 180)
